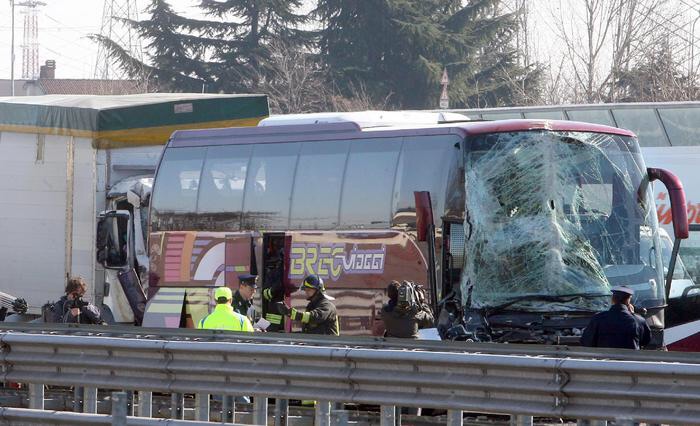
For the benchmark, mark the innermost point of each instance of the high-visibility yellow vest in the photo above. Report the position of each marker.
(225, 318)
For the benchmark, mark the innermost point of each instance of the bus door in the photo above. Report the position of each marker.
(274, 281)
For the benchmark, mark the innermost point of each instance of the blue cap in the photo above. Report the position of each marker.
(247, 279)
(622, 290)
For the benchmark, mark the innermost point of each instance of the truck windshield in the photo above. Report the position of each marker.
(554, 220)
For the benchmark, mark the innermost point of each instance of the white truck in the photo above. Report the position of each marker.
(64, 162)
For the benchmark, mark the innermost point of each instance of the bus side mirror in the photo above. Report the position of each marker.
(679, 211)
(424, 214)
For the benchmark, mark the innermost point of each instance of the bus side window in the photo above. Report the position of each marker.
(367, 189)
(269, 185)
(178, 180)
(424, 165)
(223, 182)
(319, 177)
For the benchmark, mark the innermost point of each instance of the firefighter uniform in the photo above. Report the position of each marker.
(320, 316)
(273, 292)
(224, 317)
(617, 327)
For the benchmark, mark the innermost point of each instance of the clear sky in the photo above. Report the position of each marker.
(63, 29)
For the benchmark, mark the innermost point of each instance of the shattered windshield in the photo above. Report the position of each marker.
(553, 221)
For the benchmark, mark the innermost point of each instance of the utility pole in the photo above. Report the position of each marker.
(12, 50)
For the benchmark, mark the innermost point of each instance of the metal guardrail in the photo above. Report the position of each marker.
(359, 342)
(656, 392)
(20, 416)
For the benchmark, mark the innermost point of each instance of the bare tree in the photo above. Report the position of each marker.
(293, 79)
(602, 39)
(359, 99)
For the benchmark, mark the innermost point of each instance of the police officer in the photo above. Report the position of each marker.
(320, 316)
(224, 317)
(618, 327)
(243, 297)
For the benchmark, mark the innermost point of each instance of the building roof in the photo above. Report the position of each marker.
(147, 118)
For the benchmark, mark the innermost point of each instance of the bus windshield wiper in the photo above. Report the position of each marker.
(491, 310)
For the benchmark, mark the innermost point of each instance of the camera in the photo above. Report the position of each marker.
(78, 303)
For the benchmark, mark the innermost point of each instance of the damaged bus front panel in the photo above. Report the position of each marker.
(553, 220)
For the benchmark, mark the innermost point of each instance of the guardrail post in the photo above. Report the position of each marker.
(454, 418)
(322, 413)
(78, 399)
(145, 404)
(36, 396)
(281, 412)
(119, 402)
(177, 401)
(90, 400)
(259, 410)
(388, 415)
(228, 409)
(518, 420)
(201, 411)
(130, 403)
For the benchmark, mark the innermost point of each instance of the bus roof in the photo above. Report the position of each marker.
(352, 130)
(365, 119)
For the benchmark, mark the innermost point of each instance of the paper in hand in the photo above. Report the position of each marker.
(262, 324)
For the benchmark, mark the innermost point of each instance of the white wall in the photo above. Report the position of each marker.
(32, 217)
(84, 215)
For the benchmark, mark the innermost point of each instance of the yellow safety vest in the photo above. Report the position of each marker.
(225, 318)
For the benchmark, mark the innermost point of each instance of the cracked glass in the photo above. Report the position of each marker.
(554, 220)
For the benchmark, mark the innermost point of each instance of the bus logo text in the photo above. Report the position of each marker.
(330, 260)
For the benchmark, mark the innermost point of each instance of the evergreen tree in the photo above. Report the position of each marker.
(400, 47)
(225, 53)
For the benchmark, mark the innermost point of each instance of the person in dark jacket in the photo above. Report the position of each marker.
(404, 322)
(320, 316)
(71, 308)
(618, 327)
(242, 300)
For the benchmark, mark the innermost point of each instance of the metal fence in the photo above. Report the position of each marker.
(656, 391)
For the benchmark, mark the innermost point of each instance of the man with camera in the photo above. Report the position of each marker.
(71, 308)
(406, 312)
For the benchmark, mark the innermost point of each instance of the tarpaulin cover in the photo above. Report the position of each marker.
(555, 215)
(148, 118)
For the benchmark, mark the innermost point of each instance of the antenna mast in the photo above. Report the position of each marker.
(115, 29)
(30, 41)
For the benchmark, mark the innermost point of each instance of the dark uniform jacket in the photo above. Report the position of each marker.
(320, 316)
(241, 305)
(89, 314)
(405, 324)
(616, 328)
